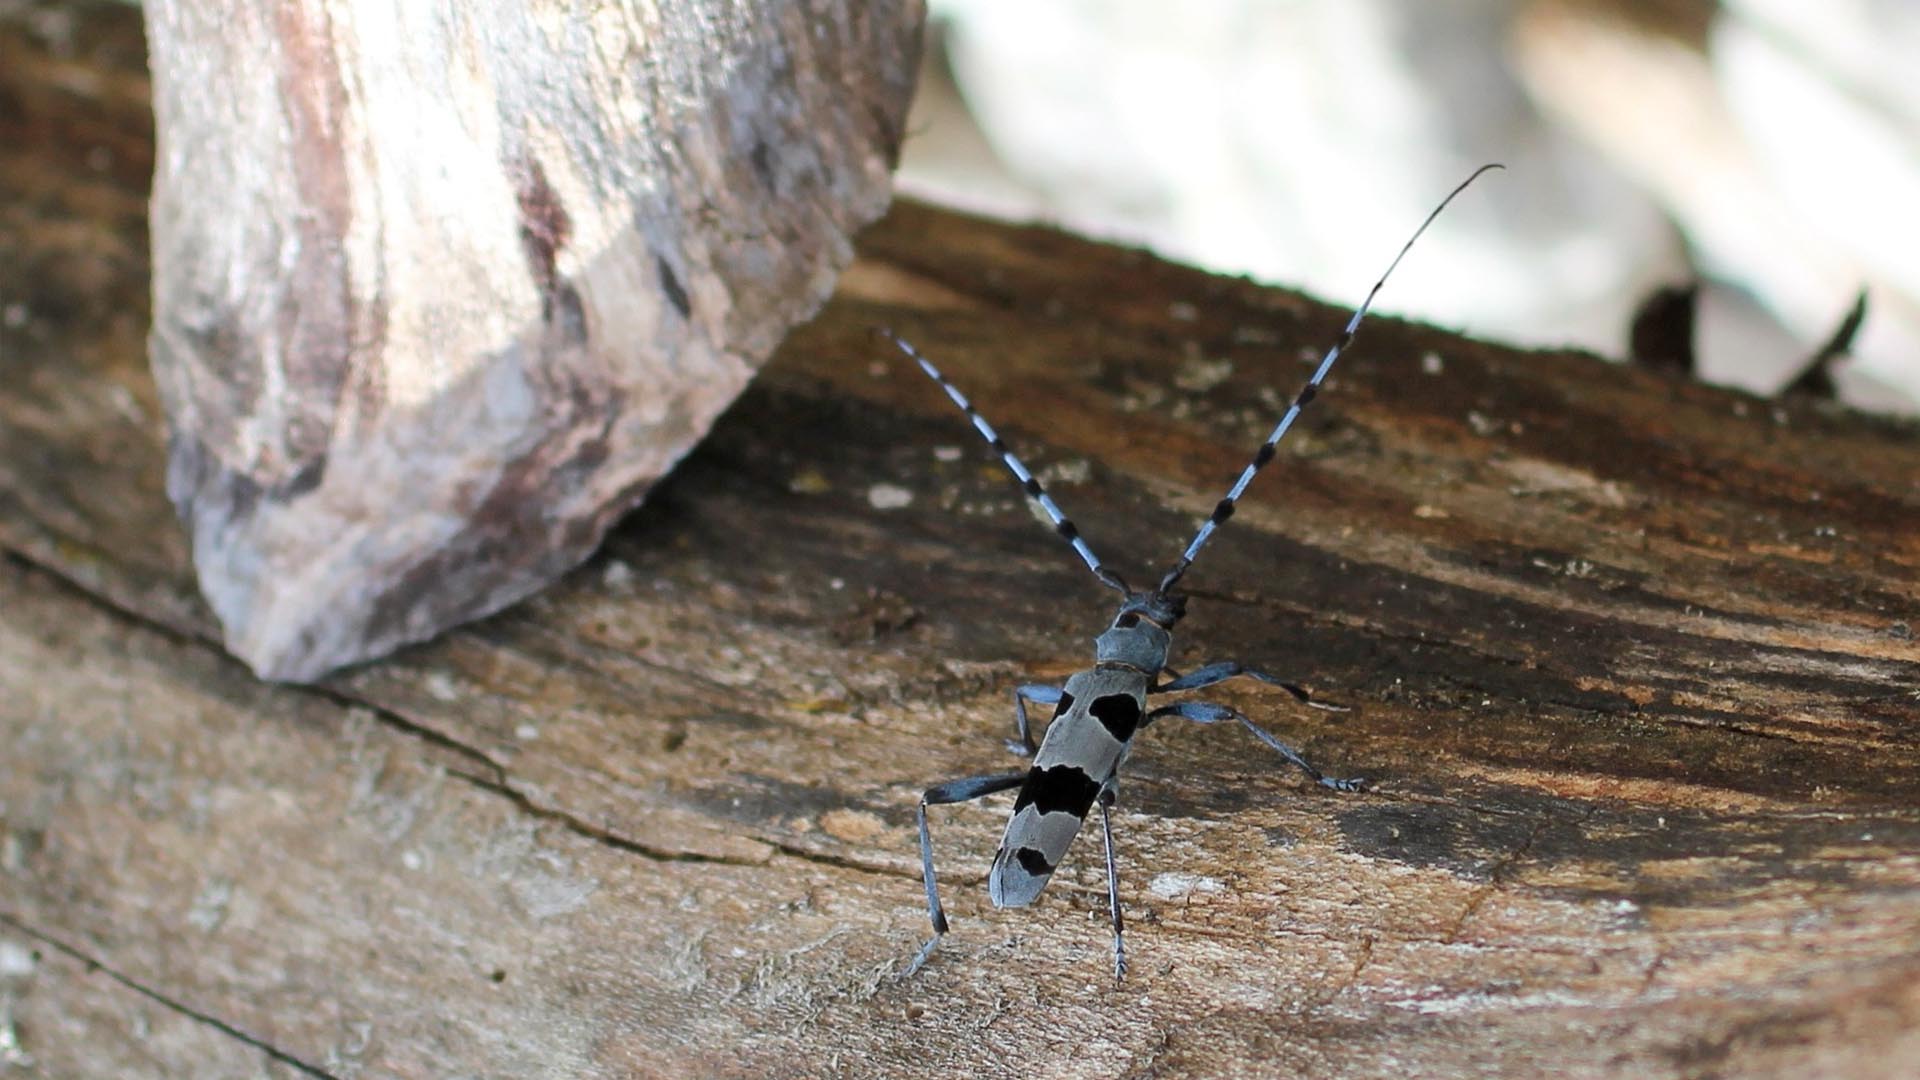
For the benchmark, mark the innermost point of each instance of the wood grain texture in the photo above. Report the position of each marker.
(1630, 660)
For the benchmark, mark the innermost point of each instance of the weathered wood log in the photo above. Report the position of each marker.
(1630, 660)
(441, 291)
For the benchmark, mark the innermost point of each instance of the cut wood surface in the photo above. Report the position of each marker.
(1630, 661)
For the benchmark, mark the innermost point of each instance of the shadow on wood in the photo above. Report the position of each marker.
(1630, 660)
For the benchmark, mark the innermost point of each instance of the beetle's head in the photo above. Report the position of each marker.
(1142, 630)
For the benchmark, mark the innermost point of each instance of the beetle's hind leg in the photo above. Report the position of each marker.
(1108, 793)
(953, 791)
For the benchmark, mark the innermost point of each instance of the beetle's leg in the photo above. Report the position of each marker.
(1206, 712)
(953, 791)
(1039, 694)
(1227, 669)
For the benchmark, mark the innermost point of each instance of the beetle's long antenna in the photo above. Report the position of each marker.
(1067, 530)
(1224, 509)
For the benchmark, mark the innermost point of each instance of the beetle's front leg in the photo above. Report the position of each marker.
(1223, 670)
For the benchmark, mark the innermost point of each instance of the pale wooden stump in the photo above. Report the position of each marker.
(1630, 659)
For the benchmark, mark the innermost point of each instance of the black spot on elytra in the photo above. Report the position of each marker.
(1118, 713)
(1058, 789)
(1066, 702)
(1033, 862)
(670, 284)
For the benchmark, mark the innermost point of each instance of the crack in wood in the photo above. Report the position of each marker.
(232, 1031)
(1733, 695)
(499, 783)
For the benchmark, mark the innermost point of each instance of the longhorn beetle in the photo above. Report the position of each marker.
(1098, 712)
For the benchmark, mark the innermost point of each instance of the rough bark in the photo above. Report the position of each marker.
(1630, 660)
(441, 290)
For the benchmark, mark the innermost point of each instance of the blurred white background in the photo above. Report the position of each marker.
(1767, 148)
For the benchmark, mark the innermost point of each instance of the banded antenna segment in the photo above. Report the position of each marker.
(1028, 482)
(1224, 509)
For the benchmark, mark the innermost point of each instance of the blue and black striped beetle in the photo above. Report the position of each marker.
(1099, 710)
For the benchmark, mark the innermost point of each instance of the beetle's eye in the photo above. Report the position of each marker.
(1131, 618)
